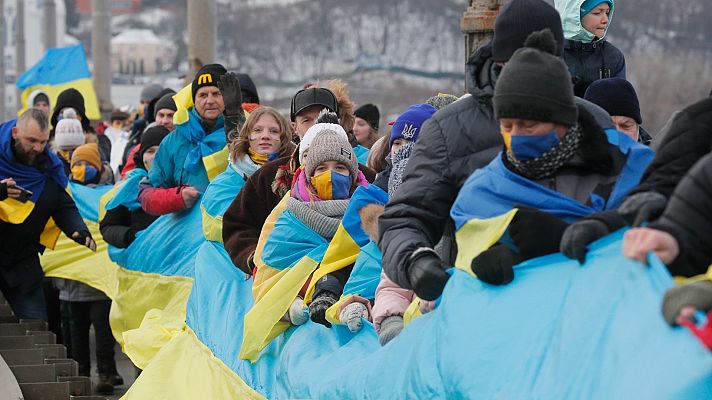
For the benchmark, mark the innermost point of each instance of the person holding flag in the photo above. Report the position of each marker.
(33, 204)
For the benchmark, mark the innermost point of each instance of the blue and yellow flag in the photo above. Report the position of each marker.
(58, 70)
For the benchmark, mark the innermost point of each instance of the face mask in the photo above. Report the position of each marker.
(84, 173)
(525, 147)
(331, 185)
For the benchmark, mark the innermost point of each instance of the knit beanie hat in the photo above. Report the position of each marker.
(370, 114)
(536, 85)
(327, 121)
(407, 125)
(68, 134)
(330, 146)
(248, 89)
(38, 96)
(441, 100)
(150, 92)
(615, 95)
(589, 5)
(70, 98)
(89, 153)
(165, 102)
(150, 115)
(520, 18)
(208, 75)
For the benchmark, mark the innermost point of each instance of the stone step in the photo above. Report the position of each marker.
(23, 356)
(78, 385)
(64, 366)
(17, 342)
(53, 350)
(34, 373)
(43, 337)
(45, 391)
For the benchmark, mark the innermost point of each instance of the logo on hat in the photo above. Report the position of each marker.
(409, 131)
(346, 153)
(205, 78)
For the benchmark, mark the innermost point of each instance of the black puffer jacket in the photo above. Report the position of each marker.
(589, 62)
(452, 144)
(688, 217)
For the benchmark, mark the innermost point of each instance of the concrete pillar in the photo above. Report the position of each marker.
(3, 27)
(202, 34)
(477, 23)
(49, 17)
(101, 53)
(19, 46)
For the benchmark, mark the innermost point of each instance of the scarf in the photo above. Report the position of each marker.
(546, 165)
(399, 162)
(257, 157)
(205, 143)
(245, 166)
(322, 217)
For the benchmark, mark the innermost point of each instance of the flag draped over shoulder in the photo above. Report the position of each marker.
(558, 331)
(60, 69)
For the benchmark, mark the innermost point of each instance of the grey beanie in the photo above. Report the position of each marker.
(536, 85)
(329, 146)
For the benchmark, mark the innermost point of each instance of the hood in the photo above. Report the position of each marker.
(33, 94)
(481, 72)
(570, 11)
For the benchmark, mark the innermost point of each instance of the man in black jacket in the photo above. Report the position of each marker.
(25, 162)
(455, 142)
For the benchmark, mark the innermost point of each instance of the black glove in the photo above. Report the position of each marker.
(579, 235)
(495, 265)
(426, 275)
(82, 237)
(642, 207)
(536, 233)
(229, 86)
(3, 191)
(321, 302)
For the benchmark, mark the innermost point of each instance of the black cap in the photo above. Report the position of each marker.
(74, 99)
(615, 95)
(310, 97)
(370, 114)
(248, 88)
(207, 75)
(165, 101)
(520, 18)
(149, 138)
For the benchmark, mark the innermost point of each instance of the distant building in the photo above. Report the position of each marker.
(117, 6)
(138, 52)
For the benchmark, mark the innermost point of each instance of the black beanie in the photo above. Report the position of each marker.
(520, 18)
(207, 75)
(615, 95)
(536, 85)
(74, 99)
(165, 102)
(370, 114)
(150, 137)
(248, 89)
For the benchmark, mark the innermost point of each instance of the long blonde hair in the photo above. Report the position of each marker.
(239, 148)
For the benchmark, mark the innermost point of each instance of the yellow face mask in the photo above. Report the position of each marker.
(507, 137)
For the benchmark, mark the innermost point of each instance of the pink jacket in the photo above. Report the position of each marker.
(391, 299)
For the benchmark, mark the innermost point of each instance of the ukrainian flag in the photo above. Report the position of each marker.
(60, 69)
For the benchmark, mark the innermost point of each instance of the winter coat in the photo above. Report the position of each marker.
(120, 225)
(70, 290)
(243, 220)
(457, 140)
(688, 217)
(588, 59)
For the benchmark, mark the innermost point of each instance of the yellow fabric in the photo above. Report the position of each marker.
(341, 253)
(507, 137)
(157, 328)
(212, 226)
(50, 235)
(258, 158)
(478, 235)
(15, 212)
(186, 369)
(184, 101)
(84, 86)
(106, 198)
(412, 312)
(267, 229)
(323, 185)
(216, 163)
(707, 276)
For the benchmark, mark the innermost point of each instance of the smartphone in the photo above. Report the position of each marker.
(25, 194)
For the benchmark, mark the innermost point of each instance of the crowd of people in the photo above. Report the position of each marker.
(548, 144)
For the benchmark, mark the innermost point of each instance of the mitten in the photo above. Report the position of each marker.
(642, 207)
(695, 294)
(426, 274)
(390, 328)
(297, 313)
(319, 305)
(579, 235)
(353, 315)
(536, 233)
(495, 265)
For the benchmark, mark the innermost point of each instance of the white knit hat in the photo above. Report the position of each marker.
(68, 134)
(332, 126)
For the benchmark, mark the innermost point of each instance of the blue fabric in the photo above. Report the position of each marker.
(172, 255)
(87, 199)
(526, 147)
(221, 191)
(25, 176)
(558, 331)
(291, 240)
(361, 154)
(181, 147)
(366, 273)
(57, 66)
(495, 190)
(362, 197)
(127, 195)
(205, 143)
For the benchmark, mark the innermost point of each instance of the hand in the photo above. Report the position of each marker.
(495, 265)
(353, 315)
(190, 196)
(579, 235)
(426, 275)
(426, 306)
(7, 189)
(642, 207)
(685, 299)
(297, 313)
(390, 328)
(319, 305)
(536, 233)
(84, 238)
(638, 242)
(229, 86)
